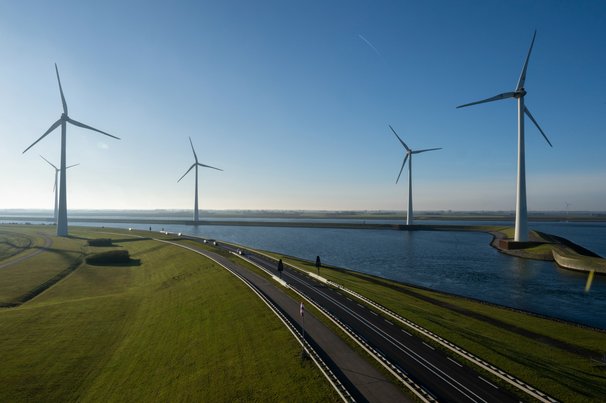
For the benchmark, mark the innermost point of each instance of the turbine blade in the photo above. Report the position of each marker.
(53, 127)
(61, 90)
(190, 168)
(523, 73)
(71, 166)
(427, 149)
(403, 143)
(401, 169)
(537, 125)
(76, 123)
(504, 95)
(48, 162)
(208, 166)
(192, 148)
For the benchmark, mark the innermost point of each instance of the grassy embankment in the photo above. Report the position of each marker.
(546, 247)
(551, 355)
(175, 328)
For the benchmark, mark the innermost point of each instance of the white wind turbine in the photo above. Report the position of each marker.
(56, 185)
(62, 216)
(521, 228)
(409, 153)
(196, 165)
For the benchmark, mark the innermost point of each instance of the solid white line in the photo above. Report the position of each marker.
(429, 346)
(407, 350)
(258, 292)
(463, 353)
(490, 383)
(457, 363)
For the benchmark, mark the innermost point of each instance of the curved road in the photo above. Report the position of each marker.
(444, 378)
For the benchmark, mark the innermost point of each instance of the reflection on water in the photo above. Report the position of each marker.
(457, 262)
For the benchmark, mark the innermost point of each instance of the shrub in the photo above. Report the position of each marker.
(110, 257)
(100, 242)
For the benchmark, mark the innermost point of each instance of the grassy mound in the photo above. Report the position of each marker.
(177, 328)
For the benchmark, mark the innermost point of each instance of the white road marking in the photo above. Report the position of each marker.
(490, 383)
(457, 363)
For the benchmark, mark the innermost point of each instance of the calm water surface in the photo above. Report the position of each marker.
(462, 263)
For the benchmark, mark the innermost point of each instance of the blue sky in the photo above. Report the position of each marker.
(292, 100)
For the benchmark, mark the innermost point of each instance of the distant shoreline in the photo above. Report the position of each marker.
(300, 220)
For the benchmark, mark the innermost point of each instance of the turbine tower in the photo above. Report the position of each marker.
(521, 228)
(409, 153)
(55, 187)
(63, 120)
(196, 165)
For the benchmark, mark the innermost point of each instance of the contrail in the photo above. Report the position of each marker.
(370, 44)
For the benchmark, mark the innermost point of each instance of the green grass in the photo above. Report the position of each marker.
(565, 375)
(19, 279)
(176, 328)
(12, 243)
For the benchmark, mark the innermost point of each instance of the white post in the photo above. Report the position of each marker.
(55, 215)
(62, 217)
(409, 217)
(521, 229)
(196, 198)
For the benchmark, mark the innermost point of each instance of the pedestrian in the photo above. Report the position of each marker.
(280, 267)
(318, 263)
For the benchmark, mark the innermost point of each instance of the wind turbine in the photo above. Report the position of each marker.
(409, 154)
(521, 228)
(196, 165)
(62, 216)
(55, 187)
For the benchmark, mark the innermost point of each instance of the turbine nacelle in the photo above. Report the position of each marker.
(519, 93)
(409, 152)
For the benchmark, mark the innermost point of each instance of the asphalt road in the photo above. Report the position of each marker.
(444, 378)
(363, 380)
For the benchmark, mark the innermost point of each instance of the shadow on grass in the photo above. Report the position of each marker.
(46, 285)
(61, 252)
(131, 263)
(130, 240)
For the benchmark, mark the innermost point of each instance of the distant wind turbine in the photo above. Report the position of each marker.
(196, 165)
(409, 153)
(521, 228)
(56, 185)
(62, 214)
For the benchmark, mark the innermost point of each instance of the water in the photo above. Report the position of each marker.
(462, 263)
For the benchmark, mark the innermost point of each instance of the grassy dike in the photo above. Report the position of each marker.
(551, 355)
(177, 327)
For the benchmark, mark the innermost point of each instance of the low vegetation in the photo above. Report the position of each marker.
(12, 243)
(110, 257)
(176, 328)
(100, 242)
